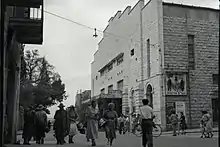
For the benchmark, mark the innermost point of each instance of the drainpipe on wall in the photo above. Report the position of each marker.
(2, 73)
(188, 81)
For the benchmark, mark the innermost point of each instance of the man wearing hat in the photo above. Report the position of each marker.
(41, 124)
(60, 124)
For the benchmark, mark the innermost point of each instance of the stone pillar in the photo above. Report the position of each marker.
(10, 103)
(162, 103)
(13, 91)
(125, 101)
(139, 97)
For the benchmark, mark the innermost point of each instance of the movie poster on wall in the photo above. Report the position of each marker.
(176, 84)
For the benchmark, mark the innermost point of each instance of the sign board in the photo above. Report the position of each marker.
(180, 107)
(85, 101)
(176, 83)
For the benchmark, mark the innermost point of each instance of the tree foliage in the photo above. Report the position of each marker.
(40, 84)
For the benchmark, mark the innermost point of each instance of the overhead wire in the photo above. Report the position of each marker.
(98, 30)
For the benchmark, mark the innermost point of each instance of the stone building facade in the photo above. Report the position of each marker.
(167, 53)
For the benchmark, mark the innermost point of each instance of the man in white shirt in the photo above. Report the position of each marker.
(147, 117)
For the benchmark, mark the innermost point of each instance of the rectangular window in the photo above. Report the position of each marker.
(215, 78)
(191, 52)
(110, 67)
(103, 91)
(110, 88)
(132, 52)
(148, 58)
(102, 73)
(120, 60)
(120, 85)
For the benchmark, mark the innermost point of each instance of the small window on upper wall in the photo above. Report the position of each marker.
(132, 52)
(96, 77)
(102, 73)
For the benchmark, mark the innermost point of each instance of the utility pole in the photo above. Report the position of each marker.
(2, 73)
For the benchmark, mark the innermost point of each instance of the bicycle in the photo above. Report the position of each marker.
(157, 130)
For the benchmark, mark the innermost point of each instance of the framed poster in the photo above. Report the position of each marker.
(176, 84)
(170, 107)
(181, 107)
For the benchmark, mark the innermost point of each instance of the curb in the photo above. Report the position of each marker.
(196, 131)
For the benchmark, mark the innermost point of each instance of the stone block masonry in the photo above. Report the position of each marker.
(206, 39)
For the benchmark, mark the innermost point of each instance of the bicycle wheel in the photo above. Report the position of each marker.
(137, 131)
(157, 130)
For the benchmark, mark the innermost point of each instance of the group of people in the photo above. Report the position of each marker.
(123, 124)
(65, 124)
(110, 123)
(35, 124)
(178, 123)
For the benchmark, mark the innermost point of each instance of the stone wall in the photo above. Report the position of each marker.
(179, 21)
(152, 30)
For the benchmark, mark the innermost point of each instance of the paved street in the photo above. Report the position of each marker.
(129, 140)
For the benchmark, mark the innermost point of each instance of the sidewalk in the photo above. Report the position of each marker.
(198, 130)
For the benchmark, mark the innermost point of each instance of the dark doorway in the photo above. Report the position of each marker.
(215, 113)
(149, 95)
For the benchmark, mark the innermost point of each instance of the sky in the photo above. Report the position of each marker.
(70, 47)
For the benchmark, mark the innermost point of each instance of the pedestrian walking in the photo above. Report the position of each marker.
(41, 124)
(133, 122)
(174, 122)
(21, 117)
(111, 119)
(72, 127)
(92, 123)
(147, 116)
(206, 125)
(183, 125)
(127, 124)
(121, 122)
(60, 124)
(29, 125)
(49, 124)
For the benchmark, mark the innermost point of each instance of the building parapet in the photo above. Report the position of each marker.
(189, 6)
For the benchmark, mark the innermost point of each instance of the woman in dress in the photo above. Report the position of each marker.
(206, 125)
(92, 123)
(183, 123)
(72, 127)
(111, 118)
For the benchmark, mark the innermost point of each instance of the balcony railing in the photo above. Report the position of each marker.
(26, 13)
